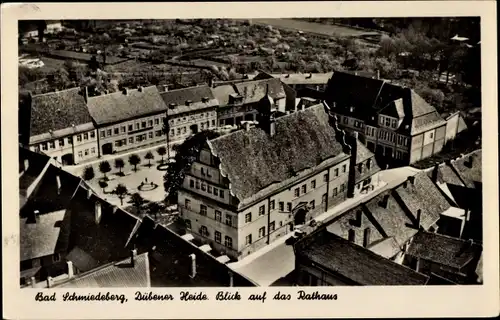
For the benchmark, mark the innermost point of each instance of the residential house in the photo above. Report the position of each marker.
(325, 259)
(189, 111)
(128, 119)
(393, 121)
(450, 258)
(61, 127)
(252, 186)
(239, 101)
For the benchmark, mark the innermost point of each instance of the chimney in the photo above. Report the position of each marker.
(58, 182)
(71, 271)
(385, 201)
(272, 127)
(469, 162)
(309, 76)
(86, 94)
(366, 238)
(188, 102)
(193, 265)
(247, 125)
(33, 282)
(172, 106)
(204, 99)
(106, 91)
(165, 88)
(26, 164)
(133, 257)
(50, 282)
(125, 91)
(140, 89)
(89, 193)
(378, 74)
(411, 179)
(32, 216)
(419, 217)
(435, 173)
(230, 274)
(351, 109)
(97, 212)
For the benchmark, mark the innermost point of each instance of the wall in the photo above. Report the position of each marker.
(180, 124)
(427, 143)
(349, 221)
(454, 125)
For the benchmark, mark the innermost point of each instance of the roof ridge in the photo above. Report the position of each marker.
(55, 92)
(187, 88)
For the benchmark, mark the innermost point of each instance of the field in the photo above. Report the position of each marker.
(316, 28)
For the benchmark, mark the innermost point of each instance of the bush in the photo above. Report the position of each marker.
(88, 173)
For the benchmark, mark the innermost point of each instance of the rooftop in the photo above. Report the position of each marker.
(254, 160)
(129, 104)
(353, 262)
(189, 99)
(114, 275)
(55, 111)
(254, 91)
(448, 251)
(469, 167)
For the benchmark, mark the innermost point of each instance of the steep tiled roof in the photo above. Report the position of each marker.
(115, 107)
(354, 262)
(392, 219)
(81, 260)
(304, 78)
(196, 94)
(253, 91)
(116, 275)
(448, 251)
(363, 154)
(37, 163)
(426, 122)
(58, 110)
(41, 239)
(423, 195)
(254, 160)
(446, 174)
(470, 168)
(386, 248)
(222, 93)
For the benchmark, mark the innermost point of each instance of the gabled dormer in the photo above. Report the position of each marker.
(392, 115)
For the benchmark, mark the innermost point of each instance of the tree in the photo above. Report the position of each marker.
(60, 79)
(104, 167)
(88, 173)
(137, 201)
(103, 184)
(149, 156)
(121, 191)
(134, 160)
(119, 164)
(153, 209)
(162, 151)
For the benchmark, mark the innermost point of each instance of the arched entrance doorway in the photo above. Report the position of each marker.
(107, 148)
(67, 159)
(300, 216)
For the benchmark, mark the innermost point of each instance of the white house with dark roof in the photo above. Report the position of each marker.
(61, 127)
(394, 122)
(252, 186)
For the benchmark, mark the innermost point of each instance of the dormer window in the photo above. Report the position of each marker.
(369, 164)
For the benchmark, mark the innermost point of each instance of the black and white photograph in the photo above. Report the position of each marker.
(310, 151)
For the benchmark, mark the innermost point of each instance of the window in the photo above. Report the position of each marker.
(229, 220)
(172, 132)
(262, 232)
(228, 242)
(431, 135)
(178, 131)
(79, 137)
(282, 206)
(130, 127)
(335, 191)
(313, 184)
(360, 168)
(281, 223)
(221, 194)
(203, 186)
(336, 172)
(188, 224)
(184, 130)
(197, 185)
(381, 120)
(158, 133)
(325, 177)
(262, 210)
(138, 138)
(248, 217)
(150, 123)
(150, 135)
(218, 215)
(346, 120)
(80, 154)
(216, 191)
(289, 206)
(109, 132)
(103, 134)
(351, 235)
(369, 164)
(191, 183)
(92, 135)
(86, 152)
(56, 257)
(131, 140)
(248, 239)
(312, 204)
(387, 122)
(213, 123)
(297, 192)
(342, 187)
(204, 231)
(209, 189)
(61, 142)
(394, 124)
(203, 210)
(323, 198)
(157, 121)
(93, 150)
(143, 124)
(137, 126)
(52, 144)
(187, 204)
(272, 204)
(202, 171)
(272, 226)
(304, 189)
(218, 236)
(116, 130)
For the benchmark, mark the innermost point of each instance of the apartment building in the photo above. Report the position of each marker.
(60, 126)
(392, 121)
(252, 186)
(128, 119)
(239, 101)
(189, 111)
